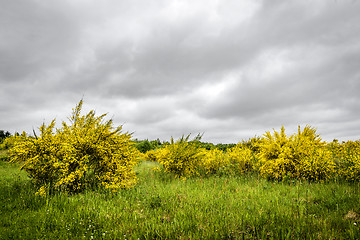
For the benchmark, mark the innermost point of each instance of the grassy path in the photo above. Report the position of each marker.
(161, 207)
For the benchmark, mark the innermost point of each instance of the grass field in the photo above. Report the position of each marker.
(162, 207)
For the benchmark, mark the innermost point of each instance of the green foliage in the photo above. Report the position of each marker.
(207, 146)
(87, 153)
(4, 139)
(156, 143)
(225, 146)
(144, 146)
(4, 134)
(4, 156)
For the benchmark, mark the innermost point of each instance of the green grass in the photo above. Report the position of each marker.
(162, 207)
(4, 156)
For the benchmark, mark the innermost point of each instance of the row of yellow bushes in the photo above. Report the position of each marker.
(89, 153)
(275, 156)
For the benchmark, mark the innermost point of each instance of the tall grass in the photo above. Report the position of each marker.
(163, 207)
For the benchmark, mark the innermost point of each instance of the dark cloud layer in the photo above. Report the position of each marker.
(167, 68)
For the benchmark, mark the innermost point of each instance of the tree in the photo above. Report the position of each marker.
(144, 146)
(4, 135)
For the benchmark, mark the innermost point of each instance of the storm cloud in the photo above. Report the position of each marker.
(228, 69)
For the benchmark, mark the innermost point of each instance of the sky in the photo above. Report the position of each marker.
(227, 69)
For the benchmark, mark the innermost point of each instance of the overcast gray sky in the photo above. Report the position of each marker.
(230, 69)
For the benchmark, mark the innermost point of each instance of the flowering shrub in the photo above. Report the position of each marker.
(252, 144)
(274, 155)
(181, 157)
(152, 155)
(347, 156)
(303, 155)
(10, 141)
(241, 159)
(214, 161)
(314, 160)
(317, 165)
(87, 153)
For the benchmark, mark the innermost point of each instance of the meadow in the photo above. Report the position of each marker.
(90, 180)
(162, 206)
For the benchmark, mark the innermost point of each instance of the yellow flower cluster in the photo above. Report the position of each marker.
(9, 142)
(303, 155)
(151, 155)
(241, 158)
(347, 158)
(214, 161)
(87, 153)
(181, 157)
(186, 158)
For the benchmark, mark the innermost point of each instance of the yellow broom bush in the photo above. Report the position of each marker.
(9, 142)
(181, 157)
(302, 155)
(87, 153)
(313, 159)
(316, 166)
(275, 155)
(348, 160)
(152, 155)
(214, 161)
(241, 159)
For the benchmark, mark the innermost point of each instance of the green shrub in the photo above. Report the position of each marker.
(87, 153)
(144, 146)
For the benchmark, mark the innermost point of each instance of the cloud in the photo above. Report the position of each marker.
(37, 37)
(167, 68)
